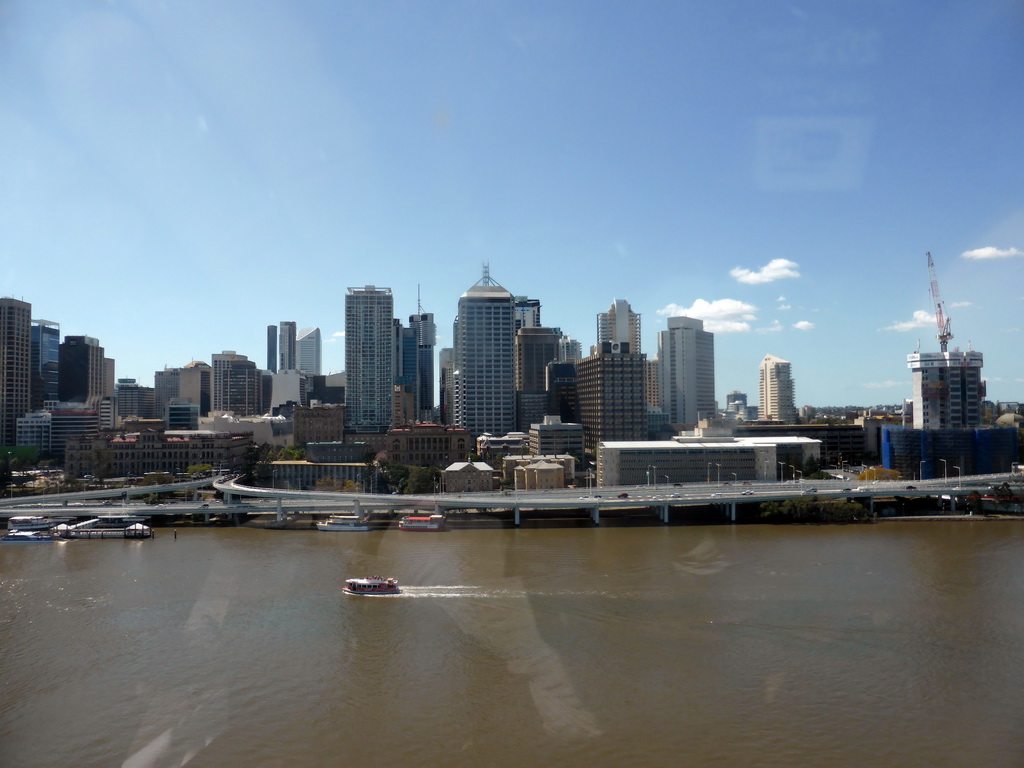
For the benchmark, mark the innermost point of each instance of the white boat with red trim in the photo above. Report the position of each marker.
(345, 522)
(372, 585)
(421, 523)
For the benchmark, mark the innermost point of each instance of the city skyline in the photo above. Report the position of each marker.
(778, 173)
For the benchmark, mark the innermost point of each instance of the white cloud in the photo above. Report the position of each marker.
(961, 304)
(336, 336)
(991, 252)
(784, 307)
(719, 316)
(921, 319)
(775, 327)
(803, 325)
(776, 269)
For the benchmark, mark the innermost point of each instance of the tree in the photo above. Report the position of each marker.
(422, 479)
(879, 473)
(804, 509)
(327, 484)
(255, 463)
(199, 469)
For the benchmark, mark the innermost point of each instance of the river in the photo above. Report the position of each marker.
(886, 645)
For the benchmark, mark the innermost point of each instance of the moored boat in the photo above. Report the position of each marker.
(29, 522)
(343, 523)
(372, 585)
(421, 523)
(27, 536)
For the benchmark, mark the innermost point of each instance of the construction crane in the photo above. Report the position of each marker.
(945, 334)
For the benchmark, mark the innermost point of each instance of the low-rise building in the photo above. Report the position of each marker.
(428, 445)
(136, 453)
(469, 477)
(553, 436)
(304, 475)
(489, 446)
(511, 464)
(539, 476)
(702, 460)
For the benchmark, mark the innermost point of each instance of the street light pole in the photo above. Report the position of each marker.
(959, 477)
(921, 473)
(719, 473)
(782, 472)
(945, 474)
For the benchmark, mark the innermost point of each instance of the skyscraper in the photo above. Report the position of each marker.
(369, 358)
(272, 348)
(610, 387)
(484, 376)
(309, 348)
(775, 389)
(236, 384)
(686, 370)
(82, 371)
(618, 325)
(423, 326)
(947, 389)
(535, 347)
(286, 356)
(527, 312)
(45, 363)
(15, 366)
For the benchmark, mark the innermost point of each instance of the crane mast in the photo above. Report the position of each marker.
(945, 334)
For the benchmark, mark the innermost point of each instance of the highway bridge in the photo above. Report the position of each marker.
(660, 499)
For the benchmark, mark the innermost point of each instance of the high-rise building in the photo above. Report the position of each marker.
(569, 350)
(403, 409)
(446, 387)
(527, 312)
(776, 390)
(947, 389)
(83, 372)
(563, 399)
(134, 401)
(484, 375)
(45, 363)
(610, 386)
(15, 366)
(287, 359)
(236, 384)
(423, 326)
(188, 384)
(369, 358)
(272, 348)
(535, 348)
(308, 351)
(619, 325)
(686, 370)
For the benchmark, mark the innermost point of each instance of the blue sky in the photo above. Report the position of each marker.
(177, 176)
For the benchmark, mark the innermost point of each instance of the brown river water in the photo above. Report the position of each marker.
(897, 644)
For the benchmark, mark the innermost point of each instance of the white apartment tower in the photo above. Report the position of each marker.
(483, 376)
(308, 351)
(618, 325)
(369, 358)
(948, 390)
(686, 370)
(776, 390)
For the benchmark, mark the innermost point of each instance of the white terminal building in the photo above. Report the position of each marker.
(687, 459)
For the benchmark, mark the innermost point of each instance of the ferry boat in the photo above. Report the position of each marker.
(421, 523)
(27, 536)
(373, 585)
(32, 523)
(343, 523)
